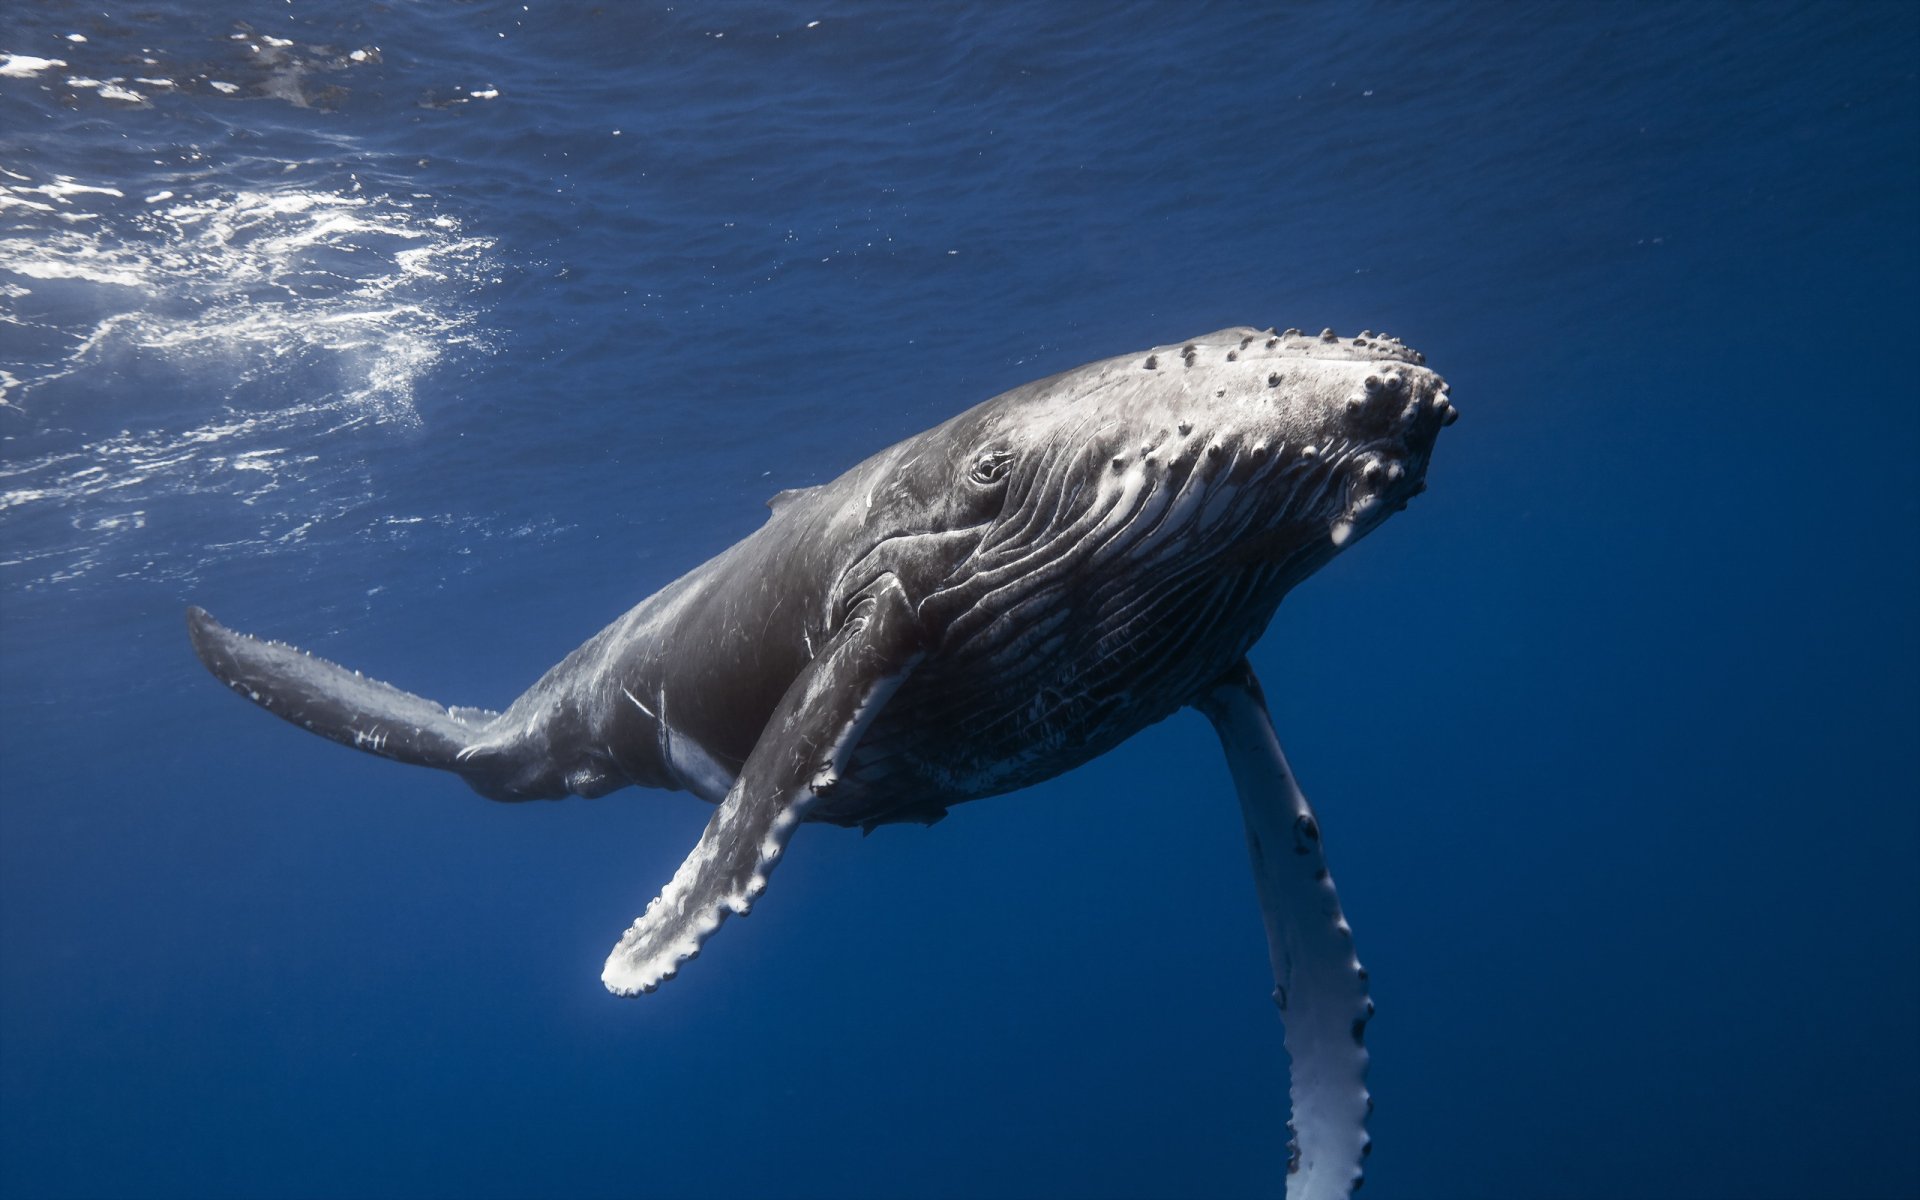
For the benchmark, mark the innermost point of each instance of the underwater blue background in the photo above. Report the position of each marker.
(432, 337)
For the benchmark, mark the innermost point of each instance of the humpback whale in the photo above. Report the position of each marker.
(975, 609)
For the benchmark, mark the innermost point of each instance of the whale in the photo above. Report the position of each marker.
(975, 609)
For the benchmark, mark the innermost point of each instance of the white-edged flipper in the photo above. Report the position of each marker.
(798, 758)
(1321, 987)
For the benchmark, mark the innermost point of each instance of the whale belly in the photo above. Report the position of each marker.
(1022, 700)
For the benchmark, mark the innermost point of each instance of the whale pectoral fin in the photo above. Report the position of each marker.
(799, 757)
(1321, 987)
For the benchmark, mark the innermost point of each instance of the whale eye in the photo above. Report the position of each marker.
(991, 466)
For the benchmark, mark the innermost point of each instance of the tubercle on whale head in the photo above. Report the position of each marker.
(1170, 470)
(1355, 419)
(1394, 417)
(1334, 432)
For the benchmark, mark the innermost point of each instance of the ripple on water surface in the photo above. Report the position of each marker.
(215, 302)
(154, 343)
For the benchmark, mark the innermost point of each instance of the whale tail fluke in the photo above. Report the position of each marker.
(344, 705)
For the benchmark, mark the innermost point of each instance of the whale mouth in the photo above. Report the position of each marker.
(1364, 509)
(1380, 484)
(1392, 471)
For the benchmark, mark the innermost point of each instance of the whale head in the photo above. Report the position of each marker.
(1242, 447)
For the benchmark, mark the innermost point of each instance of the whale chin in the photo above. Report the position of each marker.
(1369, 505)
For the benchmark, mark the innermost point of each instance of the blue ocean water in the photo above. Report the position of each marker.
(432, 337)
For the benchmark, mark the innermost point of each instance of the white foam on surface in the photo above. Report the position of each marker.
(267, 330)
(26, 66)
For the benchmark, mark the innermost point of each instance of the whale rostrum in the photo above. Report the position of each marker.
(975, 609)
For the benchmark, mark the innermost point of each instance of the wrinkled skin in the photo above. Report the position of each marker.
(1085, 554)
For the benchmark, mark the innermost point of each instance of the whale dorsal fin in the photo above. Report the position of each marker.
(800, 756)
(788, 496)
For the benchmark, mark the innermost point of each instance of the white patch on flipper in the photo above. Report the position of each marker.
(728, 869)
(633, 966)
(1321, 988)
